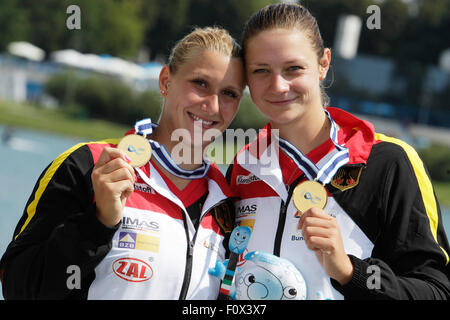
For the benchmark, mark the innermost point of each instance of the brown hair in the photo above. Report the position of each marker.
(208, 38)
(286, 16)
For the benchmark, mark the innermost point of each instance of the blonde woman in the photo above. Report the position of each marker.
(147, 231)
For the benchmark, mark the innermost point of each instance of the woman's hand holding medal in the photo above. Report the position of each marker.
(321, 234)
(319, 230)
(113, 175)
(113, 181)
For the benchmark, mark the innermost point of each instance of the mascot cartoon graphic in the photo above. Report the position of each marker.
(263, 276)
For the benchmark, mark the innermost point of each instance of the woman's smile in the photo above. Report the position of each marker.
(202, 122)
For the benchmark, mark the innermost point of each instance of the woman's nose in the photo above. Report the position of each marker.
(211, 104)
(279, 84)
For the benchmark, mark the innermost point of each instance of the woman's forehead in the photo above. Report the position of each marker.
(213, 65)
(287, 45)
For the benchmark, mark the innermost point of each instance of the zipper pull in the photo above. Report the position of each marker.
(191, 249)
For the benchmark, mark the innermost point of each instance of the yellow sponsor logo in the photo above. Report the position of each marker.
(147, 243)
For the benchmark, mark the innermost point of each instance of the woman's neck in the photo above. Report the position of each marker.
(308, 132)
(191, 161)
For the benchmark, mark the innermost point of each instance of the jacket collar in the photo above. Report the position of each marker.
(261, 157)
(356, 134)
(218, 188)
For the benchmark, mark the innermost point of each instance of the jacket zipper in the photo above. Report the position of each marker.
(190, 252)
(189, 256)
(282, 217)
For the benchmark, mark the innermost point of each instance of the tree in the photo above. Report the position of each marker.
(177, 17)
(13, 23)
(385, 41)
(327, 13)
(113, 27)
(427, 33)
(168, 26)
(231, 14)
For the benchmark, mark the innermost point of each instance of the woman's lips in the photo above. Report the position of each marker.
(282, 102)
(203, 122)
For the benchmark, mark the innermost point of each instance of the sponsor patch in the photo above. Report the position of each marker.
(247, 210)
(132, 269)
(127, 240)
(247, 179)
(139, 224)
(147, 243)
(144, 188)
(137, 241)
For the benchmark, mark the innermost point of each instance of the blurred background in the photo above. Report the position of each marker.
(80, 70)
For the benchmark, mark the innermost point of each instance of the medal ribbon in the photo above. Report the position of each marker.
(145, 127)
(325, 173)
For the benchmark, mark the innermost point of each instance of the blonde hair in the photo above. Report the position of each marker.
(209, 38)
(286, 16)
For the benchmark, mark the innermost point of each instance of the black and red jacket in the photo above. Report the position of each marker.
(383, 200)
(156, 252)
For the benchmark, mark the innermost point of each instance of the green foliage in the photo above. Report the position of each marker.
(442, 190)
(102, 97)
(437, 161)
(230, 14)
(394, 21)
(13, 23)
(248, 115)
(122, 27)
(56, 122)
(114, 27)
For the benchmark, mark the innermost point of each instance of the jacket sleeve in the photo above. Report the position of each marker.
(410, 255)
(58, 230)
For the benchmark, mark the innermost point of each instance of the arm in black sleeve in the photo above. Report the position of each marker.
(410, 256)
(58, 229)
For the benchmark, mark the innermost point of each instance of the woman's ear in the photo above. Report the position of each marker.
(324, 63)
(164, 80)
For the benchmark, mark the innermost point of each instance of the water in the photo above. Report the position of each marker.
(21, 162)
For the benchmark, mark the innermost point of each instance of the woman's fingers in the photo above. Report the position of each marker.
(112, 159)
(108, 154)
(116, 170)
(113, 181)
(319, 229)
(323, 244)
(316, 216)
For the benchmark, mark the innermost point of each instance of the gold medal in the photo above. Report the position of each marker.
(309, 194)
(136, 148)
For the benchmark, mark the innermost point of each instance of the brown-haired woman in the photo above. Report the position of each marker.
(353, 209)
(96, 227)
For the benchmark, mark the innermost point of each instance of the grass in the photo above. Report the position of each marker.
(442, 190)
(54, 121)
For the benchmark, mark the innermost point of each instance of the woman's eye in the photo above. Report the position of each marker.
(200, 83)
(295, 68)
(230, 93)
(259, 71)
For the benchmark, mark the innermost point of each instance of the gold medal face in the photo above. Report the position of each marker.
(136, 148)
(309, 194)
